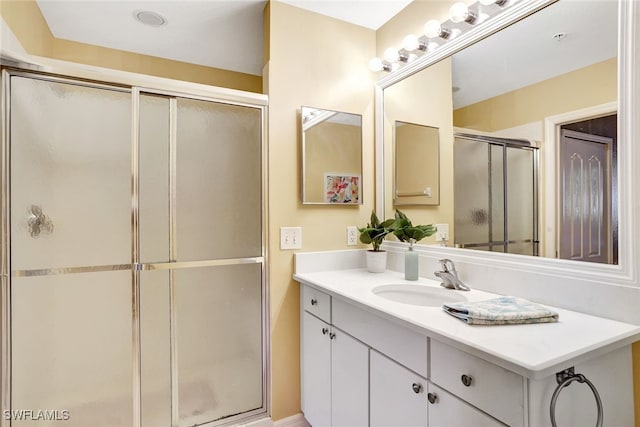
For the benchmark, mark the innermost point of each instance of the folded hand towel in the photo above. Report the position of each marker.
(501, 311)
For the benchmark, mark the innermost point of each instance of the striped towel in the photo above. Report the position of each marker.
(501, 311)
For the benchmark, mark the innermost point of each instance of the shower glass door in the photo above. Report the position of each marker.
(134, 262)
(70, 187)
(495, 195)
(201, 249)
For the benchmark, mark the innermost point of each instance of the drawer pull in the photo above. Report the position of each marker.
(432, 397)
(314, 301)
(417, 388)
(324, 331)
(332, 335)
(466, 380)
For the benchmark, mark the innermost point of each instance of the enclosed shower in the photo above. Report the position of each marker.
(133, 254)
(496, 194)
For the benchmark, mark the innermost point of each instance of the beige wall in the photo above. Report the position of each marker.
(29, 26)
(425, 99)
(583, 88)
(318, 61)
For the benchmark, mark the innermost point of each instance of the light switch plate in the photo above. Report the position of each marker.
(352, 235)
(290, 238)
(442, 232)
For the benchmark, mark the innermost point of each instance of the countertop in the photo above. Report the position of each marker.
(532, 350)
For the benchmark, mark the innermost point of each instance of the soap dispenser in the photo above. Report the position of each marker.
(411, 268)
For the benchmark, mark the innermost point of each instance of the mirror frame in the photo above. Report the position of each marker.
(624, 273)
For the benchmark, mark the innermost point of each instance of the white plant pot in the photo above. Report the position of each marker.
(376, 261)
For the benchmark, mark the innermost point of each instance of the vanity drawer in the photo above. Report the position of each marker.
(316, 302)
(495, 390)
(398, 342)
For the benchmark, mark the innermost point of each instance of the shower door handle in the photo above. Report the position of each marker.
(38, 222)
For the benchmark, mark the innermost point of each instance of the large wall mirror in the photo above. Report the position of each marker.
(529, 144)
(331, 157)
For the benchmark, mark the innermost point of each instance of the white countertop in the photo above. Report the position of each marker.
(532, 350)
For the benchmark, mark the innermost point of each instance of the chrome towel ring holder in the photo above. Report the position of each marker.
(564, 379)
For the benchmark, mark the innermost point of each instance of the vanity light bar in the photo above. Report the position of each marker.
(461, 19)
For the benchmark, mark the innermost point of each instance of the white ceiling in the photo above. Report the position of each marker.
(225, 34)
(228, 34)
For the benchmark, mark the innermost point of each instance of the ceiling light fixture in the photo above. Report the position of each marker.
(438, 33)
(150, 18)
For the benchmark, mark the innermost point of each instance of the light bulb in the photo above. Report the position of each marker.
(459, 12)
(391, 55)
(433, 29)
(375, 64)
(411, 43)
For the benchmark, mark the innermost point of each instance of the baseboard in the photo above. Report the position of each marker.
(296, 420)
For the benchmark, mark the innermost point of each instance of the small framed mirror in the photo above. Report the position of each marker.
(331, 157)
(417, 165)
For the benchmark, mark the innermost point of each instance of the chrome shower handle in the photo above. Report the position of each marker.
(38, 222)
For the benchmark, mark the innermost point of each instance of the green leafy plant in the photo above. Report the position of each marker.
(405, 231)
(375, 231)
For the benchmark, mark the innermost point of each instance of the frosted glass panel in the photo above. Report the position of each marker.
(219, 341)
(520, 194)
(154, 178)
(496, 213)
(218, 181)
(71, 348)
(155, 348)
(471, 192)
(70, 175)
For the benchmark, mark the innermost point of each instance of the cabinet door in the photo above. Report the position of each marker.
(398, 396)
(349, 381)
(315, 367)
(446, 410)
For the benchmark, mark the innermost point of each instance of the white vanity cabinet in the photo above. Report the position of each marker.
(398, 396)
(378, 378)
(334, 368)
(370, 363)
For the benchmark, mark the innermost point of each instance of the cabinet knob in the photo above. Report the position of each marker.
(332, 336)
(417, 388)
(466, 380)
(314, 301)
(432, 397)
(324, 331)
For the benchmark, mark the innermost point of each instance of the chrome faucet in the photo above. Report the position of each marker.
(449, 276)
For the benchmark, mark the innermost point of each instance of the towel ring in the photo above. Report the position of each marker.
(564, 379)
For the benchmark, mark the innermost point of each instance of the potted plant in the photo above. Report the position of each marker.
(405, 231)
(374, 233)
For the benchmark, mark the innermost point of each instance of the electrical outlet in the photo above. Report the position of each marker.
(352, 235)
(290, 238)
(442, 232)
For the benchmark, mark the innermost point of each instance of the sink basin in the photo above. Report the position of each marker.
(418, 294)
